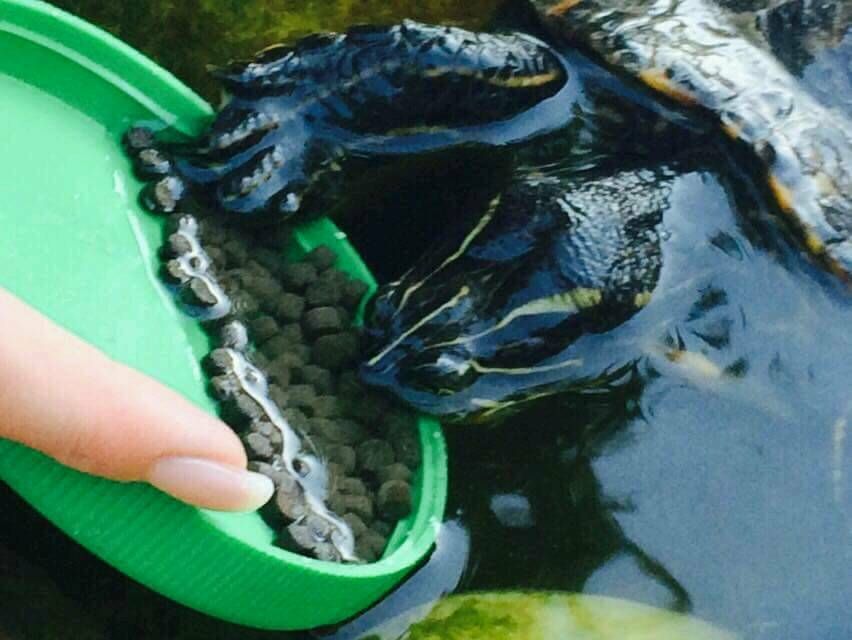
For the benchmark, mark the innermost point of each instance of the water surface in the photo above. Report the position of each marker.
(715, 479)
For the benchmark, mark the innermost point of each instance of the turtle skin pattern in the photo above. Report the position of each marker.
(740, 60)
(486, 321)
(488, 318)
(297, 114)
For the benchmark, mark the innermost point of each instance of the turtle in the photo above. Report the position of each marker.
(774, 75)
(569, 243)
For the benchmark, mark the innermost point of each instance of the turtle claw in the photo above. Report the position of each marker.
(136, 139)
(164, 189)
(231, 169)
(151, 163)
(164, 195)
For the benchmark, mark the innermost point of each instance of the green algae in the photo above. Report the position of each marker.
(548, 615)
(188, 35)
(766, 484)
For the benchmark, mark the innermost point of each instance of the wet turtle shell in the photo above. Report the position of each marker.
(776, 74)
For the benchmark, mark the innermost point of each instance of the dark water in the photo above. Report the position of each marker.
(717, 483)
(715, 479)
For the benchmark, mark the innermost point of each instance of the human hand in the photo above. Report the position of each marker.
(65, 398)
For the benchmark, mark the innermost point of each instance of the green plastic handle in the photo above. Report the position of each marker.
(76, 246)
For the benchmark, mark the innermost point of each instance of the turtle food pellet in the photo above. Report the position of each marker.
(282, 369)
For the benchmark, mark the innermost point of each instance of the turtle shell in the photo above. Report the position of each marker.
(776, 76)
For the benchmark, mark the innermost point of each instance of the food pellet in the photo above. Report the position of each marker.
(294, 341)
(322, 320)
(334, 351)
(352, 292)
(374, 454)
(395, 471)
(289, 307)
(394, 499)
(317, 376)
(298, 275)
(322, 293)
(322, 257)
(326, 407)
(342, 455)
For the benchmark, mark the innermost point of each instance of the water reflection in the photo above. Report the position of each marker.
(413, 599)
(815, 43)
(717, 478)
(714, 477)
(574, 529)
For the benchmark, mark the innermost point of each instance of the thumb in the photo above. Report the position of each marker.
(65, 398)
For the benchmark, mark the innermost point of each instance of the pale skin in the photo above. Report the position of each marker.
(65, 398)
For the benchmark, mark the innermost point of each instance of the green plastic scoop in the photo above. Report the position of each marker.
(75, 245)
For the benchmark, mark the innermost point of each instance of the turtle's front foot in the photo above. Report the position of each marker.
(251, 169)
(164, 190)
(300, 120)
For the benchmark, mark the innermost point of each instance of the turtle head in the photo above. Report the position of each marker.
(464, 332)
(480, 348)
(488, 320)
(425, 350)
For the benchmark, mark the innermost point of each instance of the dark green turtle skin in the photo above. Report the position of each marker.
(569, 246)
(297, 114)
(486, 321)
(775, 74)
(486, 318)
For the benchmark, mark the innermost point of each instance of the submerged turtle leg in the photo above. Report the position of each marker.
(700, 55)
(297, 113)
(490, 315)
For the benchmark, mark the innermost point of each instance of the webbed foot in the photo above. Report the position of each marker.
(297, 114)
(216, 173)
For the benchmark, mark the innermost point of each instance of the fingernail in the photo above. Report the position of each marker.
(210, 484)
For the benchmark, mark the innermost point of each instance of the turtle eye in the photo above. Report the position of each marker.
(447, 374)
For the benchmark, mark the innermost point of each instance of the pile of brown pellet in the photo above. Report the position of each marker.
(298, 317)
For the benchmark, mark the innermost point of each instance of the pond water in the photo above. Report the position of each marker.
(715, 478)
